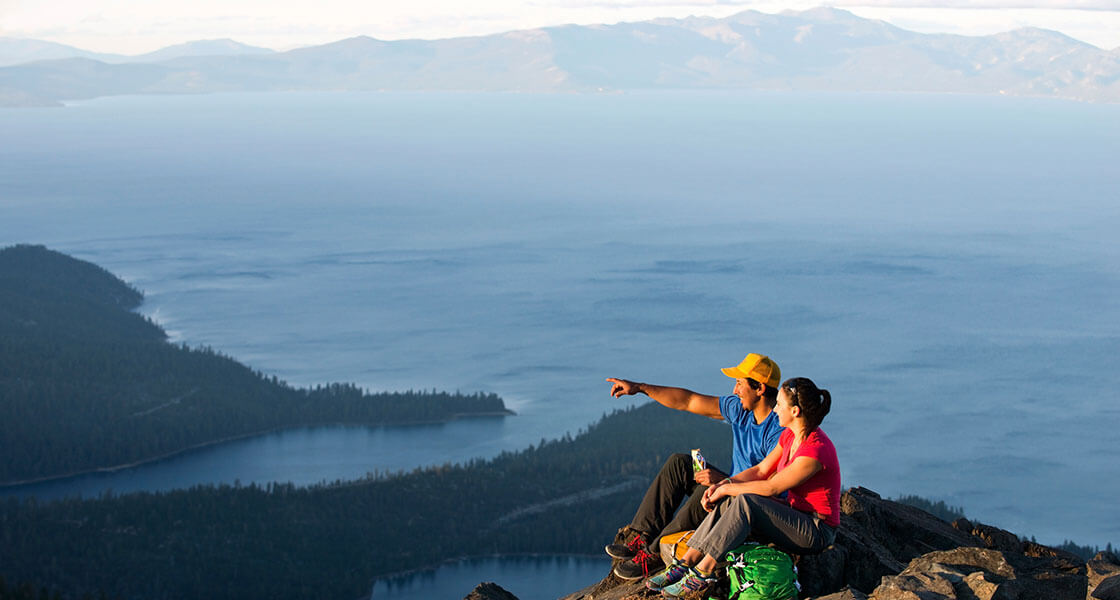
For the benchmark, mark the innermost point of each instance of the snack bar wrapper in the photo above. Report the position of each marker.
(698, 462)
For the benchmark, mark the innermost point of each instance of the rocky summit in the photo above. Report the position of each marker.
(885, 550)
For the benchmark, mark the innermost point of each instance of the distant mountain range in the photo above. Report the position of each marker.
(820, 49)
(15, 51)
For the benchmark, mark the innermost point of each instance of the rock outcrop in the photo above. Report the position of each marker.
(1104, 576)
(490, 591)
(984, 574)
(885, 550)
(895, 551)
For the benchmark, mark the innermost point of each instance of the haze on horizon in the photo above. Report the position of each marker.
(139, 26)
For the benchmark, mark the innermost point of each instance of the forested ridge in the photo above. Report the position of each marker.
(86, 383)
(331, 541)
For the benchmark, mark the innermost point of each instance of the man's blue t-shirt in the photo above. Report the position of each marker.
(750, 441)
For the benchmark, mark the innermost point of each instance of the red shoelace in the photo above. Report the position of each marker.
(645, 559)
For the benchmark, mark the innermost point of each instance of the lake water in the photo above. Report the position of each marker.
(527, 577)
(945, 265)
(303, 456)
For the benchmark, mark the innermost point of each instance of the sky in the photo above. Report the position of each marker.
(138, 26)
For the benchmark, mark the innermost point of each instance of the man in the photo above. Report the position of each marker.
(754, 432)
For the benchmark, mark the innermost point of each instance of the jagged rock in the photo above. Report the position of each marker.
(1108, 589)
(489, 591)
(611, 588)
(876, 538)
(1104, 564)
(993, 537)
(827, 572)
(984, 574)
(905, 531)
(915, 586)
(616, 590)
(1101, 567)
(844, 594)
(1003, 540)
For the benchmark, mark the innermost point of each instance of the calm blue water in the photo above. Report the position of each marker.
(945, 265)
(303, 456)
(527, 577)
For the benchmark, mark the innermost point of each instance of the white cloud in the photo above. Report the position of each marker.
(134, 26)
(990, 4)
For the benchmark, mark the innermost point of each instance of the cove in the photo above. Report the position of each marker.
(303, 456)
(527, 577)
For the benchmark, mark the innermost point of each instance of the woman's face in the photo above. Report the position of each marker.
(785, 408)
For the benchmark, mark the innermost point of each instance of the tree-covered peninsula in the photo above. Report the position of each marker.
(87, 383)
(331, 541)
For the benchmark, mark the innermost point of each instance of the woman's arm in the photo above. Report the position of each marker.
(762, 470)
(797, 472)
(755, 473)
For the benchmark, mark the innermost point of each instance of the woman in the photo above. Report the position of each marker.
(803, 465)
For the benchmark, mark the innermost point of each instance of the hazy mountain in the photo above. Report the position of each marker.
(14, 51)
(222, 47)
(819, 49)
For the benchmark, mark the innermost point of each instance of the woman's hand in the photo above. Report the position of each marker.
(713, 495)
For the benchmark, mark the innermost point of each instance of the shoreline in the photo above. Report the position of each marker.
(447, 561)
(233, 438)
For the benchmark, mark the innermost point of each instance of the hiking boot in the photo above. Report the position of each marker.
(668, 576)
(693, 583)
(628, 550)
(639, 567)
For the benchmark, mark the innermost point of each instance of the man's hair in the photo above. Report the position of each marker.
(770, 394)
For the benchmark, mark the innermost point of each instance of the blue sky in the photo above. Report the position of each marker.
(137, 26)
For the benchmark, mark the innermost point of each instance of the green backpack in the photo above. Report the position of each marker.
(760, 572)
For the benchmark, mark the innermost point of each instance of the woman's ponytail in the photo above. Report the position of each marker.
(814, 402)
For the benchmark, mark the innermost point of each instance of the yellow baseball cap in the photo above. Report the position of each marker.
(757, 367)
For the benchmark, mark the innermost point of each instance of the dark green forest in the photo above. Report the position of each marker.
(86, 383)
(331, 541)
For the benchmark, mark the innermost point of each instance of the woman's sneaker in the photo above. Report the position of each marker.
(628, 550)
(668, 576)
(693, 583)
(639, 567)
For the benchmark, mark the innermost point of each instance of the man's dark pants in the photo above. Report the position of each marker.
(655, 516)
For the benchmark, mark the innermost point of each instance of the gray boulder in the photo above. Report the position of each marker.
(984, 574)
(876, 538)
(1105, 565)
(1108, 589)
(845, 594)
